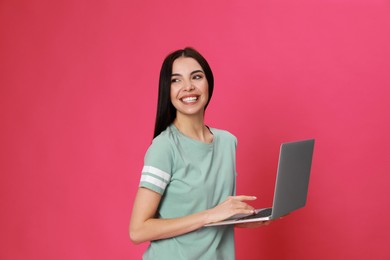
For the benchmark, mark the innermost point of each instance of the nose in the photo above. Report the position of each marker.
(188, 86)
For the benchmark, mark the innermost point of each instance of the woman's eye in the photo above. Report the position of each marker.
(174, 80)
(197, 77)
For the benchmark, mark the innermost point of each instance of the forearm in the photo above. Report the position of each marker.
(155, 229)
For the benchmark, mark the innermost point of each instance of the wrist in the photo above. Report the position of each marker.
(207, 217)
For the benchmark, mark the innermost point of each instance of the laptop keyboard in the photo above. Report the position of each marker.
(261, 214)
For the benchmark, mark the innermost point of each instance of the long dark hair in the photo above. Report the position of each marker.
(166, 112)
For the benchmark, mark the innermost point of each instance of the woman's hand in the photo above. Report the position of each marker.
(253, 224)
(233, 205)
(257, 223)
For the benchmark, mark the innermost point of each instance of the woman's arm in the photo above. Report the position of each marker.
(144, 226)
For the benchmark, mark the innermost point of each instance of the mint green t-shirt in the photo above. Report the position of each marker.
(191, 176)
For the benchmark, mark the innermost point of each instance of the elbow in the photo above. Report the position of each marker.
(135, 234)
(135, 237)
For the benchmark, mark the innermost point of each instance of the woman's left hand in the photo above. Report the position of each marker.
(257, 223)
(253, 224)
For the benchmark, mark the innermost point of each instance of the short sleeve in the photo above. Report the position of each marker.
(156, 172)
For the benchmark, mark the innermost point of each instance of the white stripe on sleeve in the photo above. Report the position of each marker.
(155, 171)
(157, 182)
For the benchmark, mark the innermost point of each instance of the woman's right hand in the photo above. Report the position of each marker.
(233, 205)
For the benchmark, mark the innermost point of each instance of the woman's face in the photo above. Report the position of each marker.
(189, 87)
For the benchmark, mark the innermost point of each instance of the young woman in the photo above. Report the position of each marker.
(188, 178)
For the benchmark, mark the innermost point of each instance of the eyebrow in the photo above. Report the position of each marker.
(192, 73)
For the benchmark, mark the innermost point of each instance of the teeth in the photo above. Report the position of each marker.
(190, 99)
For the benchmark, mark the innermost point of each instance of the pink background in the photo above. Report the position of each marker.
(78, 92)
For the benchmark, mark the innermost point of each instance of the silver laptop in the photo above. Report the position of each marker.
(291, 186)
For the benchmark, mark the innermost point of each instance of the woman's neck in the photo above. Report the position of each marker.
(193, 127)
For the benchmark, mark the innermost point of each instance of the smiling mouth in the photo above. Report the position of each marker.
(189, 99)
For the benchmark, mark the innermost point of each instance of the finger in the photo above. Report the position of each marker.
(245, 211)
(245, 206)
(248, 209)
(244, 197)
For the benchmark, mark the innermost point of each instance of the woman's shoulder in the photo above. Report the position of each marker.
(164, 138)
(161, 146)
